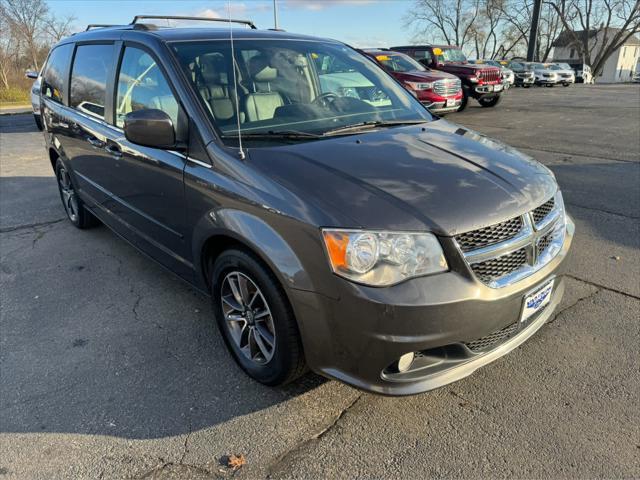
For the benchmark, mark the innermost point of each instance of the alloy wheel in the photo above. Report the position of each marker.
(68, 194)
(248, 317)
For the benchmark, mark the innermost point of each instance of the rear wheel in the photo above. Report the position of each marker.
(255, 319)
(491, 101)
(72, 203)
(565, 84)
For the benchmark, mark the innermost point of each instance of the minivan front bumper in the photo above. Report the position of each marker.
(356, 337)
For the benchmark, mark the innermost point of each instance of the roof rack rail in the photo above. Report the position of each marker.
(202, 19)
(99, 25)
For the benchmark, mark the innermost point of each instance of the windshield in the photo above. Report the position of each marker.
(561, 66)
(538, 66)
(450, 55)
(400, 63)
(284, 86)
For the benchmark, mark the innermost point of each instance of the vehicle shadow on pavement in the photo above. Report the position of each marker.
(98, 339)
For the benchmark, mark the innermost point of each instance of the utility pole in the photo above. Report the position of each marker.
(533, 33)
(275, 14)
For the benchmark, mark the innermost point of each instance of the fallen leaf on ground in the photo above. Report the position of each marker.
(236, 461)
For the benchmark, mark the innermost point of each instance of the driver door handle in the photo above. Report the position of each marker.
(114, 151)
(95, 142)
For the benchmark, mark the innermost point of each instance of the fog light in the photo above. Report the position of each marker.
(405, 362)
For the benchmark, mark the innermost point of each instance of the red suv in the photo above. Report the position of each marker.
(440, 92)
(482, 82)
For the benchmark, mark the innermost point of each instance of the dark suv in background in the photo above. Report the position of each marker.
(335, 223)
(482, 82)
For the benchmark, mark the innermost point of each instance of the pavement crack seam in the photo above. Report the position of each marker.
(574, 304)
(30, 225)
(602, 287)
(186, 443)
(602, 210)
(279, 462)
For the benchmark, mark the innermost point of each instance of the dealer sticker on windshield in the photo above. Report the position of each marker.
(536, 301)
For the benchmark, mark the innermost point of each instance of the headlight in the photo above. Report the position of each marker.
(473, 79)
(420, 85)
(383, 258)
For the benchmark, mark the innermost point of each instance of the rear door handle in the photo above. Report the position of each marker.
(114, 151)
(95, 142)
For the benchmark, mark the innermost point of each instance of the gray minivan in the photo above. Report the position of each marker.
(336, 224)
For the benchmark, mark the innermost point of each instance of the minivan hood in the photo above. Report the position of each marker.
(438, 176)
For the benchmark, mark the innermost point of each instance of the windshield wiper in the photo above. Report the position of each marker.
(274, 134)
(355, 127)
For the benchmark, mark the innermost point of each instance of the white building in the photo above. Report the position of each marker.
(619, 67)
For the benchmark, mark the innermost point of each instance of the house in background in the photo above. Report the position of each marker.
(619, 67)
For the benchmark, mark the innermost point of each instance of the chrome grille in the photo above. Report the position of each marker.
(544, 242)
(489, 235)
(495, 268)
(493, 339)
(543, 210)
(489, 75)
(507, 252)
(446, 88)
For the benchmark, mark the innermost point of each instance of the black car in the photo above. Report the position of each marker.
(335, 223)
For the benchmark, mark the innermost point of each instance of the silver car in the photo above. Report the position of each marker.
(566, 74)
(545, 75)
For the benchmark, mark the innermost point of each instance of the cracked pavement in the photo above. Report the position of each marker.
(112, 368)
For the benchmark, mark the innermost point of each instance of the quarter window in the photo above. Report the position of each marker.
(91, 67)
(53, 84)
(141, 85)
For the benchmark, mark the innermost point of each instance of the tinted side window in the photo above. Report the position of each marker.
(91, 66)
(422, 54)
(53, 81)
(141, 85)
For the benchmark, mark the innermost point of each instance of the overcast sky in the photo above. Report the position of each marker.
(361, 23)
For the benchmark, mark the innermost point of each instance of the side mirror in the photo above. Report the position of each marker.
(150, 128)
(31, 74)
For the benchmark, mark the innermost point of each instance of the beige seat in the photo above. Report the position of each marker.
(262, 102)
(214, 86)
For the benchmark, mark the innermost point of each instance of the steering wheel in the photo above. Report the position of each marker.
(325, 99)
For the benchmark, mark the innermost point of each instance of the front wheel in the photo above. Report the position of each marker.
(72, 203)
(255, 319)
(491, 101)
(565, 84)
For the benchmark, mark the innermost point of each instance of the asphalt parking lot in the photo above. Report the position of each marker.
(112, 368)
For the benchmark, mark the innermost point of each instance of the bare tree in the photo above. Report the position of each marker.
(597, 28)
(27, 19)
(58, 28)
(451, 21)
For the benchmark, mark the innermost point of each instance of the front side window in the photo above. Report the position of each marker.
(142, 85)
(292, 86)
(53, 82)
(91, 66)
(399, 63)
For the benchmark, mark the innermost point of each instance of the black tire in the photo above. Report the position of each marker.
(490, 102)
(526, 86)
(73, 205)
(287, 362)
(565, 84)
(38, 121)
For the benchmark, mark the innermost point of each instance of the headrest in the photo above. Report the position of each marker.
(260, 71)
(266, 74)
(211, 67)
